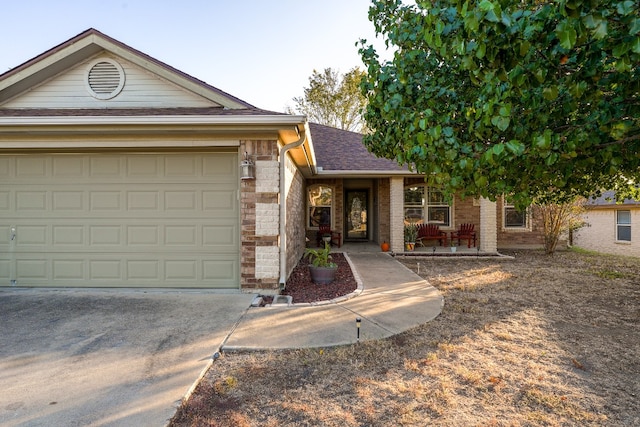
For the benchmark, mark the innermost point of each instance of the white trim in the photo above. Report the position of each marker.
(152, 120)
(527, 213)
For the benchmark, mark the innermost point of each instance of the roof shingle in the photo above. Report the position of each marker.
(341, 150)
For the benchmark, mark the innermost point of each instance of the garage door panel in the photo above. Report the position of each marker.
(5, 201)
(105, 235)
(181, 235)
(102, 167)
(32, 270)
(219, 169)
(31, 201)
(181, 167)
(71, 269)
(109, 271)
(120, 220)
(68, 166)
(220, 270)
(68, 201)
(143, 235)
(69, 235)
(221, 202)
(31, 166)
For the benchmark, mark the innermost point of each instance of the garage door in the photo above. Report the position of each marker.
(119, 220)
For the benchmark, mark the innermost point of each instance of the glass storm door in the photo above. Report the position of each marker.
(356, 221)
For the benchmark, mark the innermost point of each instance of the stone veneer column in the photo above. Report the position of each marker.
(488, 226)
(267, 267)
(396, 228)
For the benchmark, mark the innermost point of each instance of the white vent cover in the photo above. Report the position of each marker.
(105, 79)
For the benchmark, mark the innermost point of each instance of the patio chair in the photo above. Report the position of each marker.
(431, 232)
(335, 237)
(466, 231)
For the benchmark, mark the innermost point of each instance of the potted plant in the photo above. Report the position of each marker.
(453, 245)
(410, 236)
(322, 269)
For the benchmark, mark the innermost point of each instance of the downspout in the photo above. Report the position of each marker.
(283, 210)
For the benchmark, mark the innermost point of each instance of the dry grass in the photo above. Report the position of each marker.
(551, 341)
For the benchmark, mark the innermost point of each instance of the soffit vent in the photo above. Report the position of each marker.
(105, 79)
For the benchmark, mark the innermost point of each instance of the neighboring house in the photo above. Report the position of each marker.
(610, 227)
(118, 170)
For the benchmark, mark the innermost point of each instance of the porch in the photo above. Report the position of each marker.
(439, 251)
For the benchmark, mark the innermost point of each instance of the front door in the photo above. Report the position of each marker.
(356, 220)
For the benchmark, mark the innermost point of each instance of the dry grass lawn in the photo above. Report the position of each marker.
(534, 341)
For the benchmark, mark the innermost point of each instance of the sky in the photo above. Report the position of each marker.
(261, 51)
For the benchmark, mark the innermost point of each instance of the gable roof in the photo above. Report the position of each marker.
(607, 199)
(342, 152)
(90, 43)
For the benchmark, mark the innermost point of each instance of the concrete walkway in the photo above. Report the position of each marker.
(393, 300)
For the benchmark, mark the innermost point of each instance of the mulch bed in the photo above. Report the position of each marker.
(303, 290)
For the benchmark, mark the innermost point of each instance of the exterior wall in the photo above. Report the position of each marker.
(260, 268)
(396, 218)
(487, 236)
(141, 90)
(338, 208)
(600, 233)
(295, 203)
(530, 238)
(384, 210)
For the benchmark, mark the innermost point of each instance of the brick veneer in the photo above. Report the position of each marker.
(258, 250)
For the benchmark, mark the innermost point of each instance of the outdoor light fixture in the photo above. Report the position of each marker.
(247, 168)
(358, 321)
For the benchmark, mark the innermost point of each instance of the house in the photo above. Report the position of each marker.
(121, 171)
(610, 227)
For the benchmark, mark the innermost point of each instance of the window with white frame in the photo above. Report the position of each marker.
(513, 218)
(623, 226)
(426, 205)
(320, 204)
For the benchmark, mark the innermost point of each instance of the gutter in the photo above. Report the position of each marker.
(283, 212)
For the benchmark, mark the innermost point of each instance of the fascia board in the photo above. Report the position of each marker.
(275, 120)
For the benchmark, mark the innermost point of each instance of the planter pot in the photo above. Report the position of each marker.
(453, 249)
(322, 275)
(410, 246)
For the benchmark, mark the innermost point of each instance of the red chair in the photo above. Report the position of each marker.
(335, 237)
(466, 231)
(431, 232)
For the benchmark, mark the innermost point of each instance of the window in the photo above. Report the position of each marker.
(514, 218)
(426, 205)
(623, 225)
(319, 206)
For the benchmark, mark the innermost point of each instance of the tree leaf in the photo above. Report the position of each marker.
(550, 93)
(566, 34)
(500, 122)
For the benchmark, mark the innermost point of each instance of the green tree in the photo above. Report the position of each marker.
(333, 100)
(537, 100)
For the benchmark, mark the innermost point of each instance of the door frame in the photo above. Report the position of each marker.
(347, 211)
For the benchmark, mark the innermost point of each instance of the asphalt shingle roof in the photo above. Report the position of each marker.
(341, 150)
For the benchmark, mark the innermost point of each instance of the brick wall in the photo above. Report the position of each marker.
(384, 210)
(338, 205)
(295, 202)
(531, 238)
(259, 263)
(600, 233)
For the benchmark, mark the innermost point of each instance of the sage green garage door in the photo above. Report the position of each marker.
(119, 220)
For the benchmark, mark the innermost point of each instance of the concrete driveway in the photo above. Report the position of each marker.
(106, 357)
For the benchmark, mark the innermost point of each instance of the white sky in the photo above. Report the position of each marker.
(261, 51)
